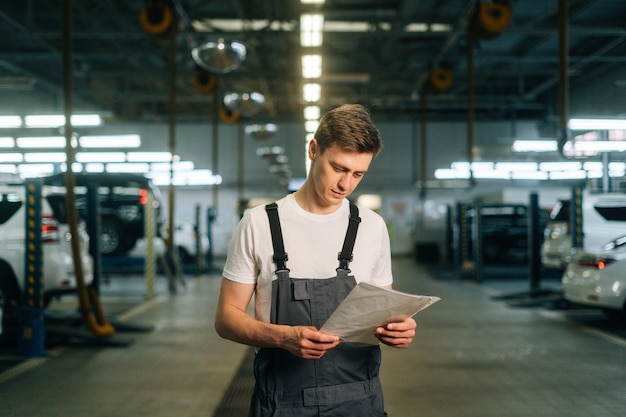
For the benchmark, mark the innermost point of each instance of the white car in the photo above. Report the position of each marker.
(58, 266)
(598, 278)
(603, 219)
(188, 240)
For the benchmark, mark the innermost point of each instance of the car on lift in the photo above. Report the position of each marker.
(603, 218)
(557, 239)
(58, 267)
(598, 278)
(122, 199)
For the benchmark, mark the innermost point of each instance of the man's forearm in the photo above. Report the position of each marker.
(236, 325)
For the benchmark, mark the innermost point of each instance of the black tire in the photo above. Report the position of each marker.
(618, 316)
(184, 257)
(110, 238)
(10, 300)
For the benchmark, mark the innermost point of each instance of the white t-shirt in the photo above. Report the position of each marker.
(312, 243)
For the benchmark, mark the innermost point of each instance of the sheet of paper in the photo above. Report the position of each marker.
(367, 307)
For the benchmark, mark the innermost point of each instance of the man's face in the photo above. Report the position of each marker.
(336, 173)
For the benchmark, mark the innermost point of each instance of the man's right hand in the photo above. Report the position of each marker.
(309, 343)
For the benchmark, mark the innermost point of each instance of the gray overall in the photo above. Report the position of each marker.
(345, 381)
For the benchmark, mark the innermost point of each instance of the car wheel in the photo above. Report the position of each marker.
(9, 300)
(110, 237)
(183, 256)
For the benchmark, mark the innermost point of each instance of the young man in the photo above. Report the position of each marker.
(286, 255)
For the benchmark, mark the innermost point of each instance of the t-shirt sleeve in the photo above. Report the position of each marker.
(383, 275)
(241, 263)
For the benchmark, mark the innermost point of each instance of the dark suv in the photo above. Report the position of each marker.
(122, 198)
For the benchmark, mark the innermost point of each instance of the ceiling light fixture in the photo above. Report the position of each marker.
(311, 66)
(221, 56)
(312, 113)
(262, 131)
(312, 92)
(311, 125)
(246, 104)
(311, 27)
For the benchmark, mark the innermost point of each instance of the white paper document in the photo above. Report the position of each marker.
(367, 307)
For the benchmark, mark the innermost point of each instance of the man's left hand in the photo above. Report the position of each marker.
(398, 334)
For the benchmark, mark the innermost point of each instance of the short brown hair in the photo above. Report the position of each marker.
(350, 127)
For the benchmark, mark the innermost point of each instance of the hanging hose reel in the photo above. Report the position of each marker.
(157, 17)
(440, 79)
(204, 82)
(490, 19)
(228, 116)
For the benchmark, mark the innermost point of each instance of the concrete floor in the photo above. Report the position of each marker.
(473, 357)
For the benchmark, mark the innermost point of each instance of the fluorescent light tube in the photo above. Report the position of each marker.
(493, 174)
(597, 124)
(128, 167)
(100, 157)
(529, 175)
(94, 167)
(559, 166)
(8, 168)
(35, 170)
(166, 167)
(10, 122)
(54, 157)
(148, 157)
(58, 120)
(11, 157)
(7, 142)
(534, 146)
(41, 142)
(599, 146)
(568, 175)
(516, 166)
(110, 141)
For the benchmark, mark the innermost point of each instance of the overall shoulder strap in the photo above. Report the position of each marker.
(345, 256)
(280, 256)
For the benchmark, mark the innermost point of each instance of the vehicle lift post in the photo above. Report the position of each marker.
(535, 294)
(93, 228)
(31, 337)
